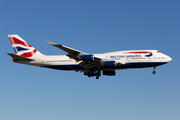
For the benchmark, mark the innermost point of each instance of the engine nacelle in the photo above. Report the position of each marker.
(109, 72)
(108, 63)
(86, 57)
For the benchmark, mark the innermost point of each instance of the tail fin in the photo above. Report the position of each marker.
(22, 48)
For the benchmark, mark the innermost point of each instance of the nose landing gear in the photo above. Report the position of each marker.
(154, 71)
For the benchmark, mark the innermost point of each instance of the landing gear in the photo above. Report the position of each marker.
(96, 73)
(154, 71)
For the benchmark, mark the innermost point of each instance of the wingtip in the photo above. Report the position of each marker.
(51, 42)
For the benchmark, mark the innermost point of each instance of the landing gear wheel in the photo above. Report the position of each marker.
(97, 77)
(154, 70)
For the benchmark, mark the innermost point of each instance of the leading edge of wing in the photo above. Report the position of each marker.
(64, 48)
(70, 50)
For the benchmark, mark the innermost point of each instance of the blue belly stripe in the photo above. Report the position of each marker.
(127, 65)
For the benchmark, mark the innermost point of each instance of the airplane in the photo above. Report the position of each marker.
(91, 64)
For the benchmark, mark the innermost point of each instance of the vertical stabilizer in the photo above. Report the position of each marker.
(22, 48)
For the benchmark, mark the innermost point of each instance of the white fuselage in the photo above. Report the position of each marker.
(131, 59)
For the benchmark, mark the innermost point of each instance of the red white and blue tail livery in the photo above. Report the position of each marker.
(91, 64)
(22, 48)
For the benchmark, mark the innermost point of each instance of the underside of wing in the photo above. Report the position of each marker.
(89, 66)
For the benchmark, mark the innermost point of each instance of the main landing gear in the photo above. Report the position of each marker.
(154, 71)
(96, 73)
(97, 77)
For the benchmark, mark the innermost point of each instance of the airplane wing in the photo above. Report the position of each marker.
(17, 57)
(81, 56)
(72, 52)
(62, 47)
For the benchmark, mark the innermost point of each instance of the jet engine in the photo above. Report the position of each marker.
(86, 57)
(108, 63)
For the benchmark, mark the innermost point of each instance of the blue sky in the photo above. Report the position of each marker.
(92, 26)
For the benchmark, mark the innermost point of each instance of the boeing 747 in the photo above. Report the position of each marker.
(91, 64)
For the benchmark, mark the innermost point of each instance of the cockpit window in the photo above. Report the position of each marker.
(158, 52)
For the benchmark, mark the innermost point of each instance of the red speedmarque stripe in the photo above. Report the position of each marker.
(17, 41)
(141, 52)
(29, 54)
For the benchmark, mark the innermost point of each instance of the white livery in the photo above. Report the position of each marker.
(91, 64)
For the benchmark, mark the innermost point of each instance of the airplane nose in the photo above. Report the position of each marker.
(169, 59)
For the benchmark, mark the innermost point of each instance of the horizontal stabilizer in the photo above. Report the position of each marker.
(17, 57)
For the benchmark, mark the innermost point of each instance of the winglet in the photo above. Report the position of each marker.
(51, 42)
